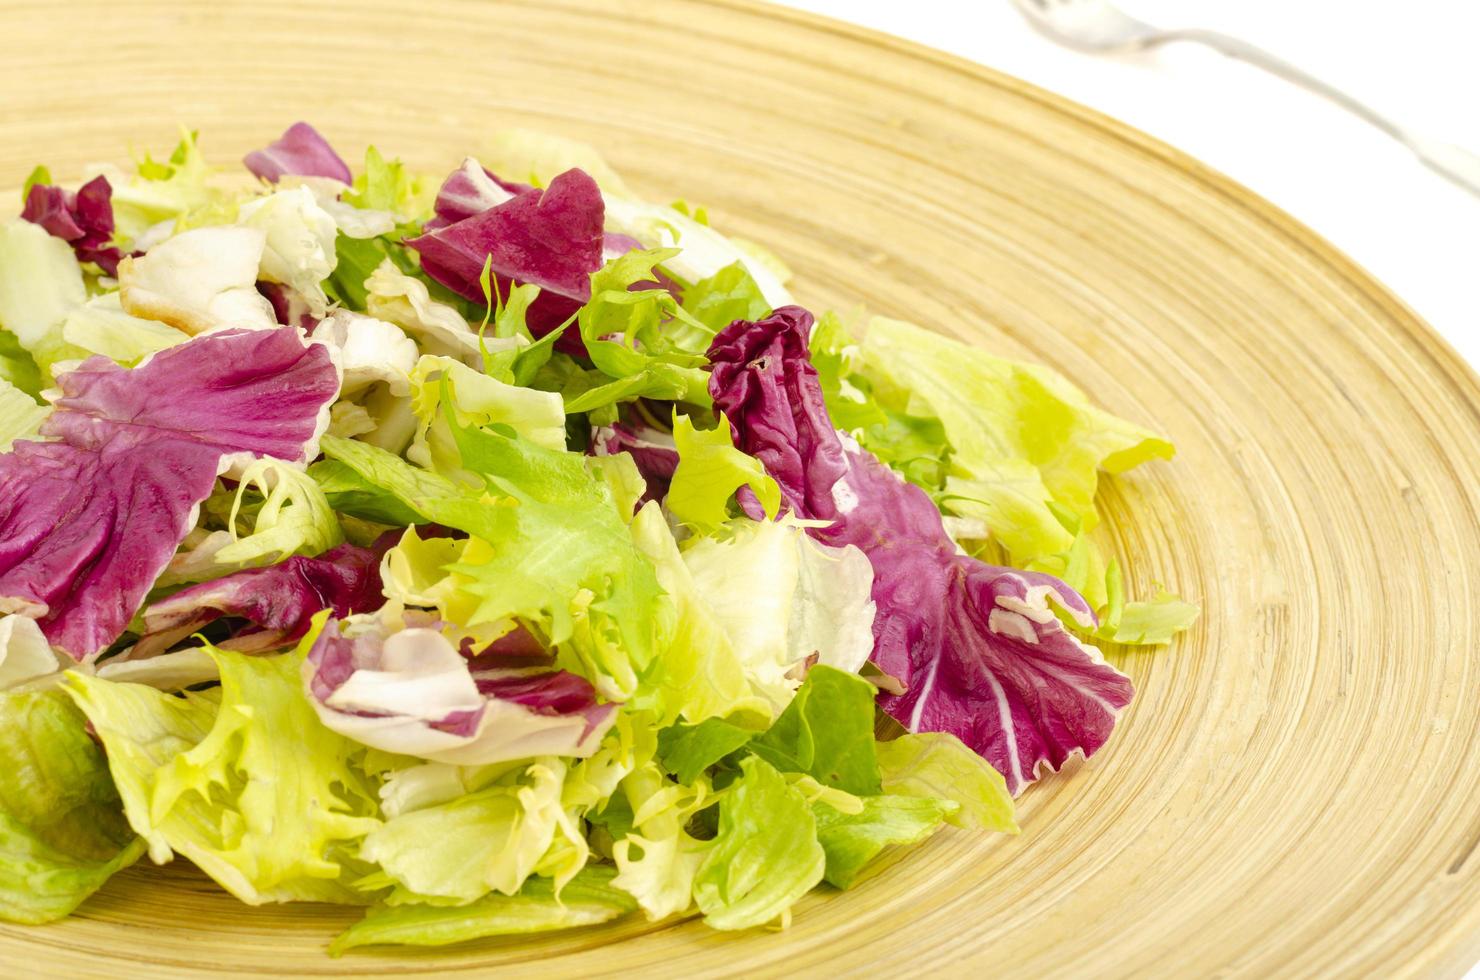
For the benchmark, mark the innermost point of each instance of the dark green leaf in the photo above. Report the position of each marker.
(687, 750)
(827, 732)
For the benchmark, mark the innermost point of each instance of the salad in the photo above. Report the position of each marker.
(509, 553)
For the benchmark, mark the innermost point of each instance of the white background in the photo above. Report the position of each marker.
(1415, 61)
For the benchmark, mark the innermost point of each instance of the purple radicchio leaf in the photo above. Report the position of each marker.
(552, 238)
(289, 307)
(651, 449)
(471, 189)
(89, 520)
(412, 692)
(83, 219)
(278, 602)
(614, 245)
(977, 649)
(301, 151)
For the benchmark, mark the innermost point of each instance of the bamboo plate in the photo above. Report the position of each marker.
(1296, 789)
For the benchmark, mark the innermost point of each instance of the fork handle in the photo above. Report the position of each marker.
(1457, 164)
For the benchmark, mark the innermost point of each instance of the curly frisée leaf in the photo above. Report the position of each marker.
(256, 793)
(710, 469)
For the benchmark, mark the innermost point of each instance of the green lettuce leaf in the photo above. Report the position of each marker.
(258, 794)
(350, 493)
(659, 350)
(696, 675)
(588, 899)
(622, 479)
(782, 599)
(143, 730)
(658, 859)
(275, 512)
(415, 573)
(687, 750)
(62, 829)
(386, 185)
(100, 326)
(456, 852)
(710, 470)
(730, 294)
(17, 367)
(175, 189)
(938, 766)
(852, 840)
(914, 446)
(1025, 451)
(38, 175)
(1024, 438)
(567, 565)
(431, 497)
(355, 261)
(475, 399)
(20, 415)
(765, 855)
(827, 732)
(40, 283)
(1142, 622)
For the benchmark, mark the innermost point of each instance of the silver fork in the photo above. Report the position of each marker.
(1097, 27)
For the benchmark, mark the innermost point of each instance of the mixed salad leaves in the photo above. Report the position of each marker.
(512, 554)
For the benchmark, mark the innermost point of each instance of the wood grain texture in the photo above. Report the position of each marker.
(1295, 791)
